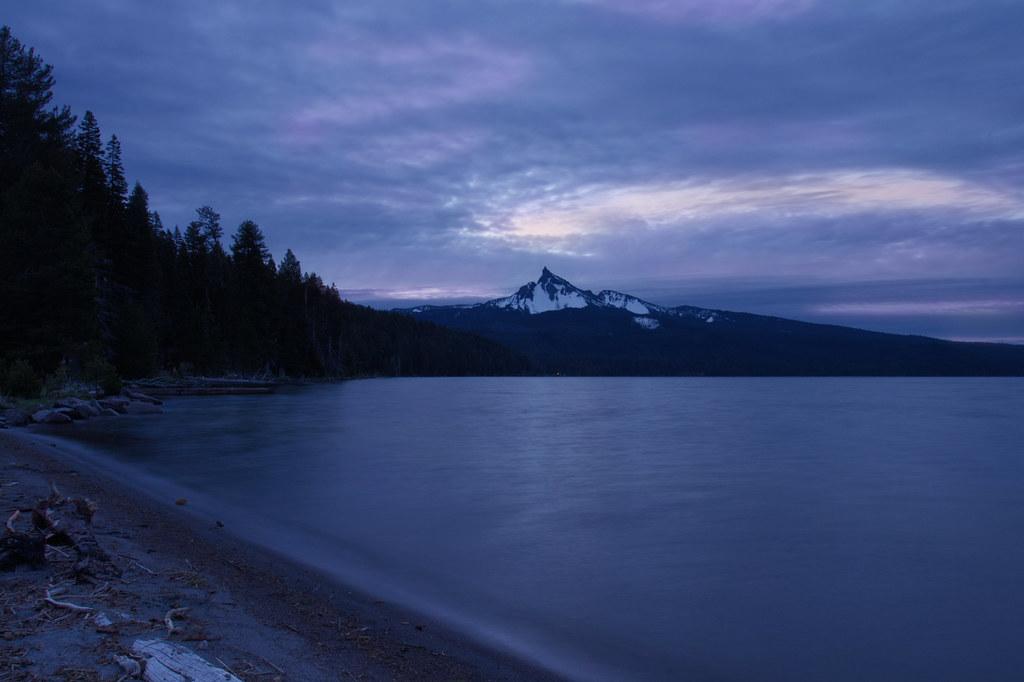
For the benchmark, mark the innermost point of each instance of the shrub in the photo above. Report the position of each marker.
(104, 374)
(20, 380)
(57, 381)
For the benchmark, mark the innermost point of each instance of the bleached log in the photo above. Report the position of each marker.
(55, 495)
(167, 662)
(65, 604)
(170, 615)
(130, 666)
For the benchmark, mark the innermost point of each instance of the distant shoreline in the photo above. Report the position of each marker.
(274, 602)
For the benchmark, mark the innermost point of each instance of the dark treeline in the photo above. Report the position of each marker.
(89, 276)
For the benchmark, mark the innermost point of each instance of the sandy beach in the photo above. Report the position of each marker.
(174, 577)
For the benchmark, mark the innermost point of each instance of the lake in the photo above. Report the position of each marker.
(648, 528)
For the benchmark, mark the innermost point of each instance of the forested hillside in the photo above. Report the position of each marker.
(564, 329)
(90, 278)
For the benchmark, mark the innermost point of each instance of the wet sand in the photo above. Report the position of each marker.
(247, 610)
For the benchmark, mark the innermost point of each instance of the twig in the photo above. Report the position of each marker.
(226, 666)
(137, 563)
(58, 550)
(65, 604)
(10, 521)
(172, 614)
(271, 664)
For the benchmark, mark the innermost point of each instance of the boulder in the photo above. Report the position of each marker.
(16, 417)
(137, 407)
(115, 402)
(81, 409)
(142, 397)
(51, 417)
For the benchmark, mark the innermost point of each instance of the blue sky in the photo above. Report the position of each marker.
(851, 162)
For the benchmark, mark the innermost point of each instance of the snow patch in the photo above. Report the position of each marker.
(647, 322)
(551, 292)
(633, 304)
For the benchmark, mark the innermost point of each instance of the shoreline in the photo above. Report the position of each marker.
(255, 604)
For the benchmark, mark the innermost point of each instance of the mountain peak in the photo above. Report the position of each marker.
(551, 292)
(548, 276)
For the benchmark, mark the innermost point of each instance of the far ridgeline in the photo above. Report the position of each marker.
(89, 276)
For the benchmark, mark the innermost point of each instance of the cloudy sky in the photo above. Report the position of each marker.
(858, 162)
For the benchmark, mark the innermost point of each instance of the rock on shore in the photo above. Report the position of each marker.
(56, 416)
(68, 410)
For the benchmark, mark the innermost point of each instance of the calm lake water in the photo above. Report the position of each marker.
(719, 529)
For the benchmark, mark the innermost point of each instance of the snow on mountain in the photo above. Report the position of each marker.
(699, 313)
(548, 293)
(615, 299)
(551, 292)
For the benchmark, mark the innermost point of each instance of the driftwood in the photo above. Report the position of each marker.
(22, 549)
(65, 604)
(10, 521)
(56, 521)
(167, 662)
(169, 618)
(131, 667)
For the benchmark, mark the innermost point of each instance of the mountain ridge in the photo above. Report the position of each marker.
(563, 294)
(565, 329)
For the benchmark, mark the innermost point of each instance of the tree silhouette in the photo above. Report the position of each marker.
(116, 183)
(89, 274)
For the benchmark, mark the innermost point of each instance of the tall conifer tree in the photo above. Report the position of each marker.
(114, 168)
(30, 130)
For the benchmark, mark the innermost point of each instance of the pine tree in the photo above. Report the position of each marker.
(89, 145)
(249, 248)
(254, 293)
(116, 182)
(30, 131)
(290, 270)
(216, 287)
(195, 241)
(138, 245)
(296, 349)
(47, 299)
(209, 221)
(93, 182)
